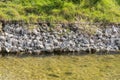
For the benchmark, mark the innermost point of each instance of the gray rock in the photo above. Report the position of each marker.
(117, 42)
(2, 38)
(17, 38)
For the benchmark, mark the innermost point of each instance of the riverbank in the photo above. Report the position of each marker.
(44, 38)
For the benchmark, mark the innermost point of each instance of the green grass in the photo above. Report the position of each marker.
(61, 10)
(84, 67)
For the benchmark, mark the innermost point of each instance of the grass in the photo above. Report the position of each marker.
(86, 67)
(60, 10)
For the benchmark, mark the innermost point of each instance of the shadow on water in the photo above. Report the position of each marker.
(50, 54)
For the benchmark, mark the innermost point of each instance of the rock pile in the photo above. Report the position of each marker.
(17, 38)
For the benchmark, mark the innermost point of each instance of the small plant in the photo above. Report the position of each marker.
(62, 10)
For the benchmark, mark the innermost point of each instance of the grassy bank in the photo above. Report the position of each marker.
(60, 10)
(86, 67)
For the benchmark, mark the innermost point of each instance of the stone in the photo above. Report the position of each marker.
(115, 30)
(35, 31)
(17, 38)
(117, 43)
(85, 41)
(2, 38)
(18, 29)
(20, 49)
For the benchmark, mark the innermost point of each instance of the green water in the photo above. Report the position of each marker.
(87, 67)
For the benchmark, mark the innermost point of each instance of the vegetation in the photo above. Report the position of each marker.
(86, 67)
(60, 10)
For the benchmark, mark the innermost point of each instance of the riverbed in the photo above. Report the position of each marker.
(82, 67)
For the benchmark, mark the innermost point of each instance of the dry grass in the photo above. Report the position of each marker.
(86, 67)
